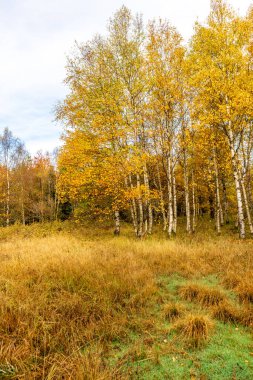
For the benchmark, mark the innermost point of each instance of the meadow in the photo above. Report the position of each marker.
(79, 303)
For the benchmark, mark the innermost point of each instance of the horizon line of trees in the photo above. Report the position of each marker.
(154, 130)
(27, 184)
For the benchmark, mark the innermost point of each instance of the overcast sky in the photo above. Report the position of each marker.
(36, 36)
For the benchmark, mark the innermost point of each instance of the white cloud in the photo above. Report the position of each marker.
(35, 37)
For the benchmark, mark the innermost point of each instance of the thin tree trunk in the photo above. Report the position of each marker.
(217, 194)
(150, 219)
(134, 218)
(7, 197)
(236, 177)
(42, 200)
(211, 204)
(247, 206)
(187, 197)
(133, 209)
(241, 221)
(193, 204)
(221, 214)
(22, 205)
(225, 201)
(170, 200)
(55, 206)
(245, 170)
(140, 207)
(174, 228)
(117, 223)
(197, 208)
(249, 189)
(161, 199)
(149, 216)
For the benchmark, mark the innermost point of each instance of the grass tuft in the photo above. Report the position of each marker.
(194, 330)
(205, 295)
(226, 312)
(173, 310)
(231, 280)
(245, 291)
(247, 317)
(189, 292)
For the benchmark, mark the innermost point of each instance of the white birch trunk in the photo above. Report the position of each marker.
(217, 195)
(170, 201)
(174, 227)
(221, 214)
(161, 200)
(149, 217)
(140, 207)
(241, 221)
(187, 197)
(236, 176)
(133, 208)
(193, 204)
(247, 206)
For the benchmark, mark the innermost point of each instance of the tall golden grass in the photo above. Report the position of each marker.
(65, 299)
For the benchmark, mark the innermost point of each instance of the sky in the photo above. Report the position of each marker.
(36, 36)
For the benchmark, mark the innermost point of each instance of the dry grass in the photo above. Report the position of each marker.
(173, 310)
(65, 299)
(245, 291)
(226, 312)
(59, 296)
(189, 292)
(231, 280)
(205, 295)
(241, 282)
(194, 330)
(246, 317)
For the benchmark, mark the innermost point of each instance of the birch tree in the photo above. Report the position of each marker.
(222, 82)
